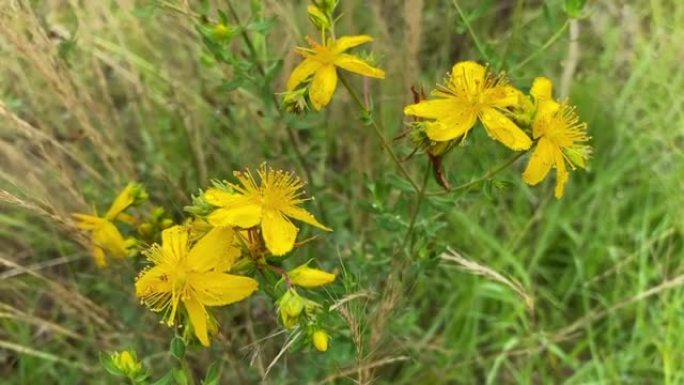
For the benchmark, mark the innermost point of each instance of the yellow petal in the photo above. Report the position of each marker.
(222, 198)
(212, 250)
(456, 125)
(87, 222)
(279, 233)
(502, 96)
(468, 77)
(108, 237)
(561, 175)
(304, 216)
(323, 86)
(499, 127)
(345, 42)
(544, 116)
(246, 216)
(305, 69)
(540, 163)
(99, 257)
(542, 89)
(217, 289)
(122, 201)
(154, 287)
(175, 242)
(354, 64)
(433, 109)
(305, 276)
(198, 318)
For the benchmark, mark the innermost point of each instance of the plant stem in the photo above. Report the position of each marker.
(378, 131)
(543, 48)
(419, 201)
(481, 179)
(292, 137)
(479, 46)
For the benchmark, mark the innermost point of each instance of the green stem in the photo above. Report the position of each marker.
(543, 48)
(479, 46)
(290, 132)
(419, 201)
(378, 131)
(481, 179)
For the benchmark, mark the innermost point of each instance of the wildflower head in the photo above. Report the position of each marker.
(321, 62)
(561, 138)
(267, 204)
(105, 237)
(320, 340)
(193, 276)
(470, 94)
(308, 277)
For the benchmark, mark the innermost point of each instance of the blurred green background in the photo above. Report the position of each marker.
(94, 94)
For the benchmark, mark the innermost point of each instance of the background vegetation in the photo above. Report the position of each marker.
(94, 94)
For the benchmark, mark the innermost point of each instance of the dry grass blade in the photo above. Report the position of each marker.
(372, 365)
(597, 314)
(290, 342)
(477, 268)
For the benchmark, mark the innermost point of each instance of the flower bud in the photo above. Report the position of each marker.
(221, 31)
(295, 101)
(318, 18)
(290, 306)
(126, 362)
(326, 6)
(305, 276)
(320, 340)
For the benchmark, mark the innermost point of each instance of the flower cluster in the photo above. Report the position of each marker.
(239, 232)
(470, 94)
(473, 94)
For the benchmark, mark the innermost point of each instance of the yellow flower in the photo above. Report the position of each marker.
(305, 276)
(268, 204)
(321, 62)
(321, 340)
(559, 135)
(470, 94)
(195, 276)
(105, 237)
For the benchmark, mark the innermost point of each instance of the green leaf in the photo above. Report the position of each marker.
(108, 365)
(180, 376)
(261, 26)
(177, 348)
(232, 85)
(166, 380)
(213, 374)
(399, 183)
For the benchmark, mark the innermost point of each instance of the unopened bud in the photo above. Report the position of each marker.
(321, 340)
